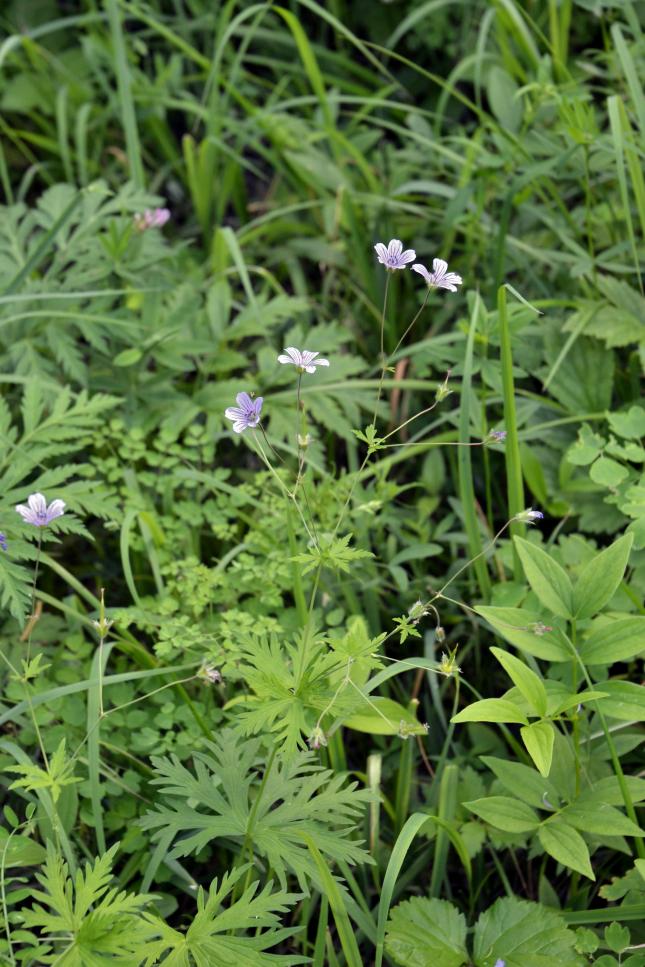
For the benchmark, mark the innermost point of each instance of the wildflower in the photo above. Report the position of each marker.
(529, 515)
(211, 674)
(393, 257)
(498, 435)
(317, 738)
(500, 963)
(3, 541)
(440, 634)
(156, 218)
(439, 278)
(304, 360)
(246, 414)
(38, 513)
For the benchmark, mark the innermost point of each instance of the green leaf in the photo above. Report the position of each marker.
(608, 472)
(565, 844)
(425, 932)
(600, 578)
(525, 630)
(586, 448)
(524, 934)
(20, 850)
(225, 799)
(491, 710)
(529, 684)
(617, 937)
(630, 424)
(505, 813)
(384, 716)
(504, 99)
(600, 818)
(549, 581)
(625, 700)
(619, 640)
(522, 781)
(538, 739)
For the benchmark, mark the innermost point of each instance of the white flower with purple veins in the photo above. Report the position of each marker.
(304, 360)
(393, 257)
(440, 277)
(246, 415)
(38, 513)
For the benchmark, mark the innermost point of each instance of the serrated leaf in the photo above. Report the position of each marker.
(425, 932)
(523, 934)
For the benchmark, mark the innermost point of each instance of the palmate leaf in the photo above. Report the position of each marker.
(100, 924)
(208, 942)
(228, 797)
(292, 683)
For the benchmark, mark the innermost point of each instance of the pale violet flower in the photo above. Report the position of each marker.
(498, 435)
(156, 218)
(304, 360)
(393, 257)
(440, 277)
(3, 542)
(500, 963)
(529, 515)
(38, 513)
(246, 414)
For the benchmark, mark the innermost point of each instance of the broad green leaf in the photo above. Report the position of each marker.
(608, 472)
(384, 716)
(586, 448)
(566, 845)
(525, 630)
(625, 701)
(20, 850)
(425, 932)
(503, 98)
(619, 640)
(524, 934)
(600, 818)
(538, 739)
(600, 578)
(629, 424)
(549, 581)
(522, 781)
(505, 813)
(529, 684)
(491, 710)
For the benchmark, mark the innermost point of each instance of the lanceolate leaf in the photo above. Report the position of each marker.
(549, 581)
(566, 845)
(600, 578)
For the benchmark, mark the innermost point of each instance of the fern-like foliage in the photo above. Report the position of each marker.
(54, 424)
(85, 922)
(294, 683)
(209, 941)
(226, 796)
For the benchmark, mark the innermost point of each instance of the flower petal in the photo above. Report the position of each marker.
(295, 354)
(285, 360)
(381, 251)
(56, 509)
(25, 512)
(322, 362)
(37, 503)
(439, 268)
(244, 401)
(233, 413)
(395, 248)
(408, 256)
(422, 270)
(307, 357)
